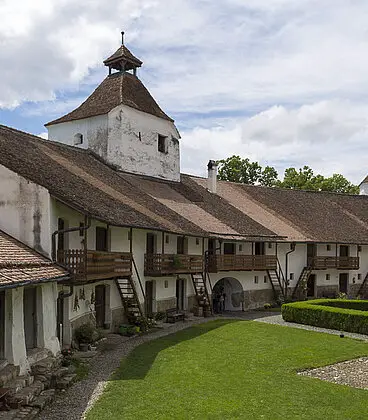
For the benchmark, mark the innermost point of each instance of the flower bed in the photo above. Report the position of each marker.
(337, 314)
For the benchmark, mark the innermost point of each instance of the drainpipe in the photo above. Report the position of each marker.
(61, 296)
(293, 247)
(87, 225)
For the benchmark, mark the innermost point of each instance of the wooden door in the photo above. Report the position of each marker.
(100, 302)
(311, 285)
(259, 248)
(2, 325)
(30, 317)
(344, 250)
(311, 253)
(151, 244)
(211, 246)
(61, 241)
(181, 245)
(149, 298)
(343, 282)
(101, 239)
(180, 293)
(229, 248)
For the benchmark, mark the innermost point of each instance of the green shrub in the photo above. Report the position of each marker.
(86, 333)
(344, 315)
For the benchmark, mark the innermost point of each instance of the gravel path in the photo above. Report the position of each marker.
(353, 373)
(73, 404)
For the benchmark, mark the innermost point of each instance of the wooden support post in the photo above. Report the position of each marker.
(163, 243)
(131, 240)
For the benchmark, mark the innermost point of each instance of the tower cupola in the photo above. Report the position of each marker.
(123, 60)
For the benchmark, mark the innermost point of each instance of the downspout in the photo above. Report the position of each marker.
(293, 247)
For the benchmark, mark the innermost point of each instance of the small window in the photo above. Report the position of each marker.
(166, 285)
(167, 239)
(328, 247)
(197, 241)
(270, 245)
(240, 248)
(265, 279)
(328, 277)
(359, 276)
(291, 276)
(78, 139)
(359, 248)
(256, 279)
(162, 144)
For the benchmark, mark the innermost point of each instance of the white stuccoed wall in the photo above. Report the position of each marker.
(94, 131)
(141, 156)
(363, 188)
(25, 211)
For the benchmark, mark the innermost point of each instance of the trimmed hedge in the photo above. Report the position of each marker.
(336, 314)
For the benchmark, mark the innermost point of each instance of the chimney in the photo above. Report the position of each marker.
(212, 176)
(122, 37)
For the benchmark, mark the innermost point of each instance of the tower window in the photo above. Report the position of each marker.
(162, 144)
(78, 139)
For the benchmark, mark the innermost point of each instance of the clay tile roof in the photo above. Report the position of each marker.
(123, 53)
(118, 89)
(21, 264)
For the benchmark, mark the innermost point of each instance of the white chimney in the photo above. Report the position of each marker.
(212, 176)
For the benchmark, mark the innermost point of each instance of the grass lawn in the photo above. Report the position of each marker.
(233, 370)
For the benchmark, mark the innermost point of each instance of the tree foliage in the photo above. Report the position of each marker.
(236, 169)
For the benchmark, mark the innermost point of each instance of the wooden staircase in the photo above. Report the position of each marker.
(277, 283)
(363, 290)
(277, 280)
(303, 279)
(128, 293)
(198, 284)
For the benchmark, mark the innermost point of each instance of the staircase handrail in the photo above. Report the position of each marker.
(139, 278)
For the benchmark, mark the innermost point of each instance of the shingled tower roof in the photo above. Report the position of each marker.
(119, 88)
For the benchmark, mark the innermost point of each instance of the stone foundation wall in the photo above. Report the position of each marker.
(254, 299)
(327, 291)
(354, 289)
(117, 318)
(192, 302)
(163, 305)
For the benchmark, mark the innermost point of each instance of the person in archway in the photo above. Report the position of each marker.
(222, 300)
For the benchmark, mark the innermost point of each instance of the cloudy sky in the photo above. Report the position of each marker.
(284, 82)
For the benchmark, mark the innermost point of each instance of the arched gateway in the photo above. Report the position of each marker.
(234, 293)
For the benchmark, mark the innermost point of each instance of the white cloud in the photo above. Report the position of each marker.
(329, 136)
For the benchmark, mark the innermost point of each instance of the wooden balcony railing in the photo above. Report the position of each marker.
(95, 265)
(166, 264)
(241, 262)
(341, 263)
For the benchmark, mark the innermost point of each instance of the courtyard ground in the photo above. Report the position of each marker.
(231, 369)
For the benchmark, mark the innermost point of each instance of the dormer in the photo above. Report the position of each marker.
(364, 186)
(122, 122)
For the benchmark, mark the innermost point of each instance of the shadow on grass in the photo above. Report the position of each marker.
(139, 361)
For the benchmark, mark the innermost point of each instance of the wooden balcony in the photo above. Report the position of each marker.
(168, 264)
(340, 263)
(241, 262)
(95, 265)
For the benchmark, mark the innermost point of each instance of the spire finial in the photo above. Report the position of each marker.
(122, 37)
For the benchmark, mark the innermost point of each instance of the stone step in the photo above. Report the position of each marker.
(26, 395)
(45, 398)
(44, 366)
(7, 374)
(19, 383)
(66, 381)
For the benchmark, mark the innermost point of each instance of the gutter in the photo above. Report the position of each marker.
(32, 282)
